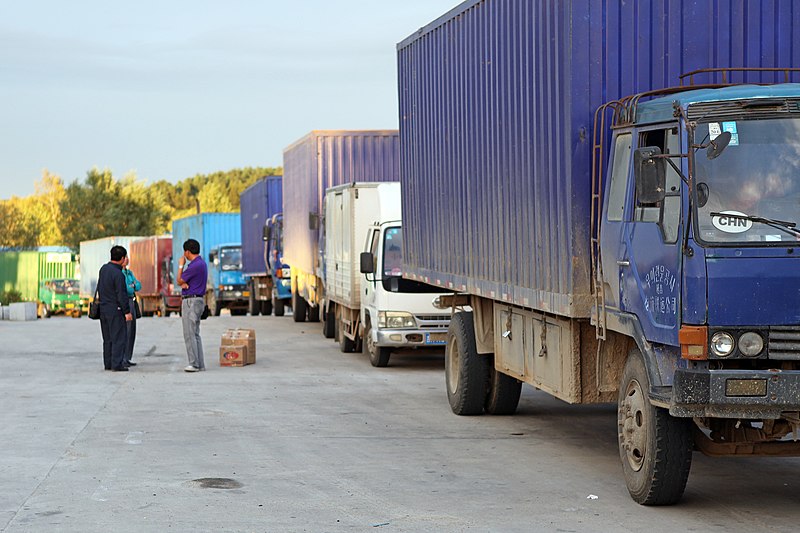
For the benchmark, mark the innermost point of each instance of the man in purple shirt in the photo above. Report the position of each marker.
(192, 278)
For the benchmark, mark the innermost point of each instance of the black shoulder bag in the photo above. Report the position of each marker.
(94, 306)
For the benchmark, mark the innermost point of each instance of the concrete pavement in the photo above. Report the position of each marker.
(310, 439)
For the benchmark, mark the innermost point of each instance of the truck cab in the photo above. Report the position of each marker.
(228, 288)
(279, 271)
(698, 263)
(60, 295)
(170, 295)
(396, 313)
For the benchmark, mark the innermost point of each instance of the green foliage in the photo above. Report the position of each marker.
(102, 205)
(10, 297)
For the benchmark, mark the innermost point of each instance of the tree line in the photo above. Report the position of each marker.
(102, 205)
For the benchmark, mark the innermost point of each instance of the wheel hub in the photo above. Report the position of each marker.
(452, 365)
(632, 425)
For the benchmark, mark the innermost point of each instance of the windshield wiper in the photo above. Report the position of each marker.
(788, 227)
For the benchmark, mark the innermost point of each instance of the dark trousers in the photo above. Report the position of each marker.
(115, 338)
(131, 330)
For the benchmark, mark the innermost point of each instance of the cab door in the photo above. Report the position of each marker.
(650, 272)
(612, 242)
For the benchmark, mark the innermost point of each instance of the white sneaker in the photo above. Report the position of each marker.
(191, 368)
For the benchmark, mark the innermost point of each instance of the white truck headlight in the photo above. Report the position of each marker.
(396, 320)
(722, 344)
(751, 344)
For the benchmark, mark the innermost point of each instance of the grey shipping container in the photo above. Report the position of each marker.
(93, 255)
(497, 99)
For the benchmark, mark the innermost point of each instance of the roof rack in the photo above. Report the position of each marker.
(625, 111)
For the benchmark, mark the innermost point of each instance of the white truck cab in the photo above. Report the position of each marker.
(395, 312)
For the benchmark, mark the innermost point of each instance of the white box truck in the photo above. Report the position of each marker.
(369, 305)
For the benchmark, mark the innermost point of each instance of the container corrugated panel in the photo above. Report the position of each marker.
(257, 204)
(146, 261)
(497, 99)
(210, 229)
(319, 161)
(22, 271)
(93, 255)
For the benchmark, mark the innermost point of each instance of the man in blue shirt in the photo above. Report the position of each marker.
(192, 278)
(114, 310)
(133, 285)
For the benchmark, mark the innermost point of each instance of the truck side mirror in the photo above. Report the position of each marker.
(267, 232)
(367, 263)
(650, 174)
(313, 221)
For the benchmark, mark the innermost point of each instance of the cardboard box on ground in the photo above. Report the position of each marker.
(238, 347)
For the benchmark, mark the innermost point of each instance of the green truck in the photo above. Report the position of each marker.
(59, 296)
(49, 278)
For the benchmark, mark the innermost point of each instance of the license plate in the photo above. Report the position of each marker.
(70, 306)
(436, 338)
(746, 387)
(246, 293)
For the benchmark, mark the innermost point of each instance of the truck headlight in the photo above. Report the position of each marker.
(722, 344)
(751, 344)
(396, 320)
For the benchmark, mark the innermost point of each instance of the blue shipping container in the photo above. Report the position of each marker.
(211, 229)
(318, 161)
(497, 99)
(257, 204)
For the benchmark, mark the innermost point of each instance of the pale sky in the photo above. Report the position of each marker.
(173, 88)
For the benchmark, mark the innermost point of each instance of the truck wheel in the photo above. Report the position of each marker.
(217, 307)
(466, 371)
(346, 345)
(279, 306)
(299, 308)
(503, 395)
(266, 307)
(329, 322)
(313, 313)
(47, 311)
(378, 356)
(253, 305)
(655, 447)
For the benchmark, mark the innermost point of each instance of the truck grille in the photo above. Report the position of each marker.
(433, 321)
(784, 343)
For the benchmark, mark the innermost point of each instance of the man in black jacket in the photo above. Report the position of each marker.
(114, 310)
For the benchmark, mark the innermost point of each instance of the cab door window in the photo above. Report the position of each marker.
(667, 213)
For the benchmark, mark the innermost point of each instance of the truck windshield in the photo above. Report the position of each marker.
(393, 265)
(230, 258)
(757, 175)
(64, 286)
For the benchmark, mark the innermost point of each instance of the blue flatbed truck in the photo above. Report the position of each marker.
(609, 236)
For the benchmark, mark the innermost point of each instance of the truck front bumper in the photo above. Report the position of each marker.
(753, 394)
(283, 289)
(411, 337)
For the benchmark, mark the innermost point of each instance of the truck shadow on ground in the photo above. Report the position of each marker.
(588, 434)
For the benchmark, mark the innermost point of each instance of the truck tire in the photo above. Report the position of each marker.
(299, 308)
(253, 305)
(466, 371)
(655, 447)
(346, 345)
(266, 307)
(278, 306)
(378, 356)
(329, 322)
(503, 395)
(313, 313)
(216, 308)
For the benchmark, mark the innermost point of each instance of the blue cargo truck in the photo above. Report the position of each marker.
(311, 165)
(608, 235)
(220, 237)
(268, 278)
